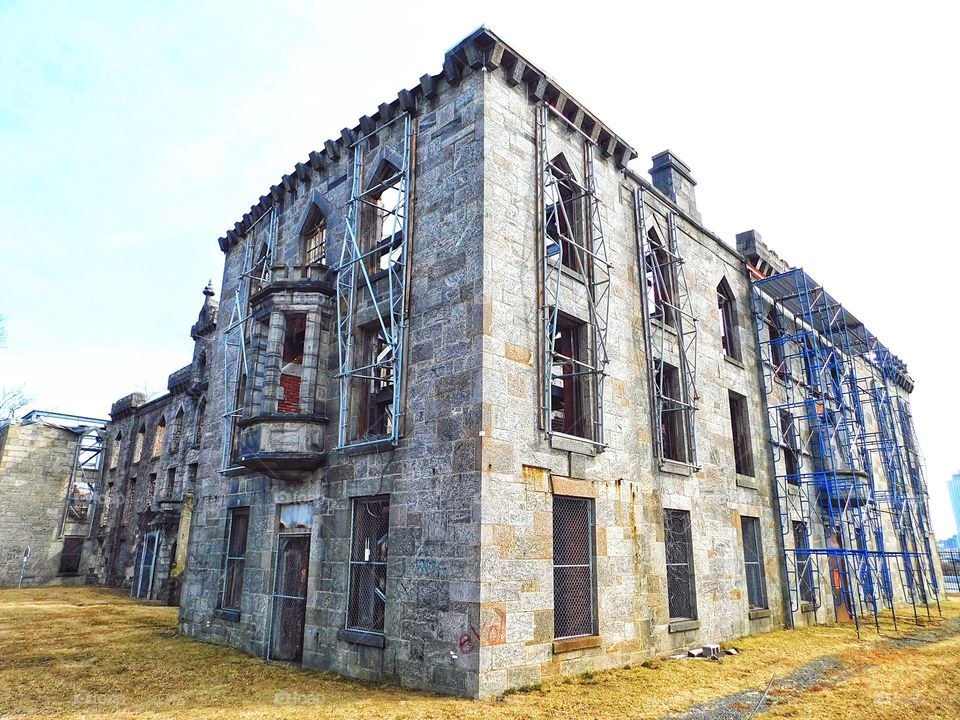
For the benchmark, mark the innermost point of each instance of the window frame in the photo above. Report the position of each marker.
(789, 447)
(590, 565)
(236, 559)
(660, 280)
(569, 235)
(571, 341)
(684, 536)
(674, 430)
(751, 538)
(806, 583)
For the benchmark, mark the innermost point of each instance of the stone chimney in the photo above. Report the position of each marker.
(672, 177)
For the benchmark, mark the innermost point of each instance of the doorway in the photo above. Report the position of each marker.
(143, 585)
(291, 571)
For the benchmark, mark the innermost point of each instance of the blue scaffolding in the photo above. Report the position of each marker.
(837, 421)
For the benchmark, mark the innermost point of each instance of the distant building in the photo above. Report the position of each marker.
(953, 485)
(49, 470)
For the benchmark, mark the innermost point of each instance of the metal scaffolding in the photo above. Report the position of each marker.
(256, 264)
(80, 502)
(373, 276)
(670, 327)
(827, 384)
(571, 242)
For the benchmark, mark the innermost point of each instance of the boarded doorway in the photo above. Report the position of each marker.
(290, 583)
(839, 581)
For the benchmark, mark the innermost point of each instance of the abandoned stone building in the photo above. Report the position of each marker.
(153, 452)
(49, 474)
(486, 406)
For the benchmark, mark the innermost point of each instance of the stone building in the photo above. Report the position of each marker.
(498, 408)
(154, 452)
(49, 470)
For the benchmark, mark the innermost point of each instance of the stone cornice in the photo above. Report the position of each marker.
(481, 50)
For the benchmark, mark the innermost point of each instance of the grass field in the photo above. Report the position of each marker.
(92, 653)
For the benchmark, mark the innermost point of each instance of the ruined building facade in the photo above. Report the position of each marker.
(483, 406)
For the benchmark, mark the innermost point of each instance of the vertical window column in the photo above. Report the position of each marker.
(740, 431)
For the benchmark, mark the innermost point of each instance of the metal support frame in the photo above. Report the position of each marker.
(828, 366)
(255, 270)
(85, 477)
(662, 271)
(153, 536)
(387, 293)
(591, 256)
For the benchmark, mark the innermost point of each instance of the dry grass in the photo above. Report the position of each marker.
(92, 653)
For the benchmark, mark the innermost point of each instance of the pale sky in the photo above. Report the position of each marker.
(133, 134)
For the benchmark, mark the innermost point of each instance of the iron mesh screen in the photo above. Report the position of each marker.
(573, 603)
(681, 591)
(368, 564)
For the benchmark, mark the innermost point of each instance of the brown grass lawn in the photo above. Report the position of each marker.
(93, 653)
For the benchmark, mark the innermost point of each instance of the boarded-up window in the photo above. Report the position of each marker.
(235, 559)
(574, 599)
(753, 562)
(368, 564)
(681, 588)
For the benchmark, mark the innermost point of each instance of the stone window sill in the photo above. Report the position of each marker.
(806, 607)
(734, 361)
(677, 626)
(231, 615)
(358, 637)
(572, 444)
(746, 481)
(577, 643)
(675, 468)
(759, 613)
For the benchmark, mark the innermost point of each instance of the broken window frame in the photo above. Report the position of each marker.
(753, 562)
(740, 433)
(776, 334)
(364, 547)
(315, 242)
(177, 437)
(674, 433)
(681, 575)
(574, 567)
(661, 282)
(234, 559)
(571, 374)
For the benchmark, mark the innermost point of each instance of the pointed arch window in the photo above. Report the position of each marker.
(385, 211)
(138, 444)
(115, 451)
(159, 436)
(198, 429)
(563, 203)
(177, 431)
(728, 320)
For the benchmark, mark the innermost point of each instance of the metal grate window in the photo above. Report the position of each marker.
(368, 564)
(753, 561)
(574, 599)
(234, 562)
(681, 590)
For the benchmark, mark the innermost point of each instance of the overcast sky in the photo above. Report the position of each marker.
(132, 135)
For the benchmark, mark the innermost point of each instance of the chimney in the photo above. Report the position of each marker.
(672, 177)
